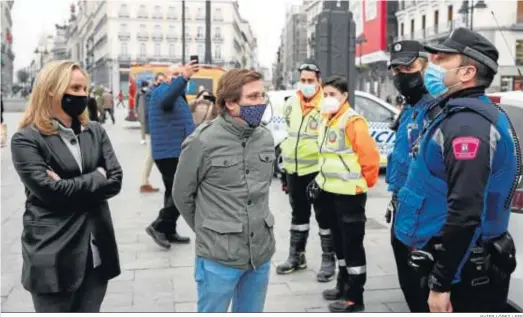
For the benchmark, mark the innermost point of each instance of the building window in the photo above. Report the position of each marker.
(123, 48)
(519, 52)
(143, 28)
(199, 15)
(412, 26)
(143, 49)
(201, 51)
(218, 52)
(123, 27)
(450, 13)
(519, 17)
(402, 29)
(199, 32)
(157, 29)
(157, 49)
(172, 50)
(171, 13)
(158, 12)
(218, 14)
(218, 32)
(124, 11)
(142, 13)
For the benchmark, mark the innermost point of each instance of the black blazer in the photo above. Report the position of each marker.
(60, 215)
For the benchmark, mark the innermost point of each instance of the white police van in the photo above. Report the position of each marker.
(378, 113)
(512, 103)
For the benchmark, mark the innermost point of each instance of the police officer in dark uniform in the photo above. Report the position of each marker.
(408, 60)
(453, 210)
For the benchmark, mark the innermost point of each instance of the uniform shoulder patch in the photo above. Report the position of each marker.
(465, 148)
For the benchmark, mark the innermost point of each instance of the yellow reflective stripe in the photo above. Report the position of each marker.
(345, 151)
(346, 176)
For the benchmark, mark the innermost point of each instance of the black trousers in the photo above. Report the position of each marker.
(465, 297)
(109, 112)
(301, 207)
(347, 219)
(87, 298)
(169, 214)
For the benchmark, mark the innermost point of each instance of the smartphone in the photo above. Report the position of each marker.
(194, 58)
(209, 98)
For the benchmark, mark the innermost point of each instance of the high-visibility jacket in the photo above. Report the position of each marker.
(300, 149)
(340, 171)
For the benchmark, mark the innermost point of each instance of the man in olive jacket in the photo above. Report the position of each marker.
(228, 162)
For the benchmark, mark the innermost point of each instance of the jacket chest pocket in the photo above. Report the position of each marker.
(264, 165)
(226, 170)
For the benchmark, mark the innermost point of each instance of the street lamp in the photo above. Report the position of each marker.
(465, 8)
(42, 54)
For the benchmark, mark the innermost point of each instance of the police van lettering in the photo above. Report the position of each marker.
(383, 136)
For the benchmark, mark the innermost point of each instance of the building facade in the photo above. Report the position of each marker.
(7, 56)
(294, 36)
(431, 21)
(108, 37)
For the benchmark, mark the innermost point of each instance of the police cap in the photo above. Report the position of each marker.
(403, 53)
(469, 43)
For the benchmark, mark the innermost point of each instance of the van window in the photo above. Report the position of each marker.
(371, 110)
(196, 83)
(516, 117)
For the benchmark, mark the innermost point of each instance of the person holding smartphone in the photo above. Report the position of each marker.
(203, 107)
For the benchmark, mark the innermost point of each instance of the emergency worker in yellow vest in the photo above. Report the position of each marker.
(300, 161)
(349, 165)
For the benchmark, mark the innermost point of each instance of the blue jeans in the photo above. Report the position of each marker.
(217, 284)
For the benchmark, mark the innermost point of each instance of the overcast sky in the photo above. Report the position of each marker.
(32, 16)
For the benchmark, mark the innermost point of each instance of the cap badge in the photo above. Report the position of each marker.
(397, 47)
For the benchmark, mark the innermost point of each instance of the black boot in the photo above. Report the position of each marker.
(328, 260)
(337, 292)
(296, 260)
(351, 300)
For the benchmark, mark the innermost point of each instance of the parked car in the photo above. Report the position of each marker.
(512, 103)
(378, 113)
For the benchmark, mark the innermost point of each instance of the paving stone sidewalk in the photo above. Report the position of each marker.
(155, 280)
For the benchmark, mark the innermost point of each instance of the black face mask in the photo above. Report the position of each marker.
(410, 85)
(74, 106)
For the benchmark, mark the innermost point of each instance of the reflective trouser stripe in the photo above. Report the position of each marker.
(325, 232)
(346, 176)
(355, 270)
(339, 152)
(341, 262)
(300, 161)
(304, 227)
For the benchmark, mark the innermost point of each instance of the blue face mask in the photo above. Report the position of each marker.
(308, 90)
(252, 114)
(434, 80)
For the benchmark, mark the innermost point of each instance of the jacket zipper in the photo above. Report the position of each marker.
(297, 143)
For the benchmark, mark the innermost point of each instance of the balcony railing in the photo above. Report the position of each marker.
(142, 59)
(200, 38)
(124, 58)
(143, 36)
(188, 37)
(124, 35)
(157, 37)
(200, 17)
(123, 14)
(172, 37)
(157, 16)
(172, 16)
(217, 38)
(142, 15)
(217, 19)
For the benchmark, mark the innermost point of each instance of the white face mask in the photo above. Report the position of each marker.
(330, 105)
(308, 90)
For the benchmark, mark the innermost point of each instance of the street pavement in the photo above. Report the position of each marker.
(156, 280)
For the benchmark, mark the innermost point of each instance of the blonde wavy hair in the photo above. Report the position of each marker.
(53, 80)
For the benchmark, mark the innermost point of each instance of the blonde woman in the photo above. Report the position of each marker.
(69, 170)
